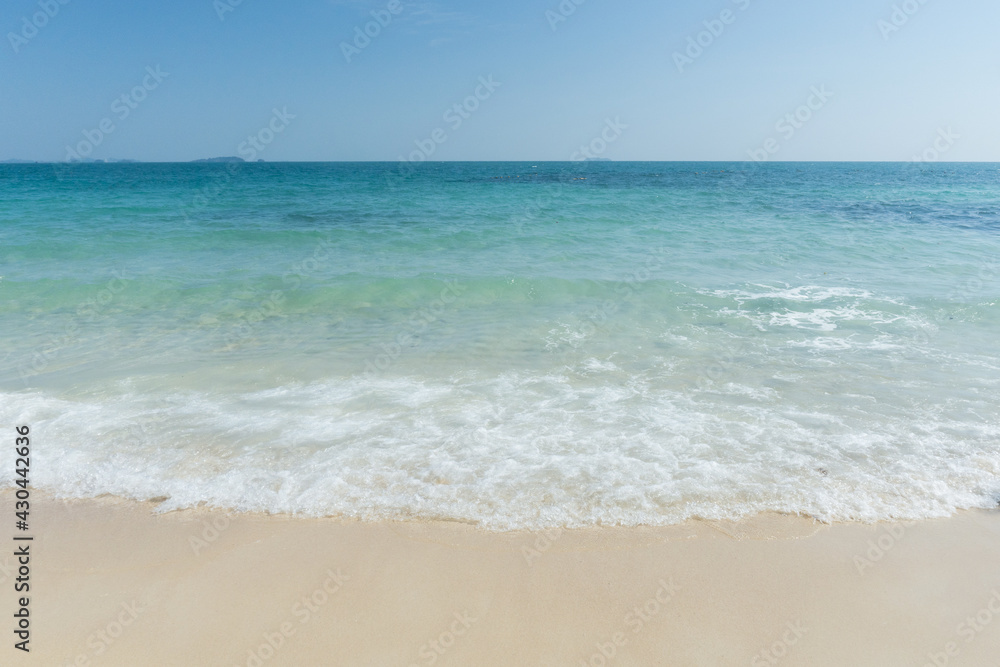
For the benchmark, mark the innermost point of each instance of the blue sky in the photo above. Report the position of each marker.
(928, 88)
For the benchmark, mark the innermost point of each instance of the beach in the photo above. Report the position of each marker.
(371, 333)
(113, 583)
(502, 413)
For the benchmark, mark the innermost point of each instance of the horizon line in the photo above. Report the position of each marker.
(16, 162)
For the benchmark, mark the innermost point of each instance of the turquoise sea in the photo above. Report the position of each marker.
(516, 345)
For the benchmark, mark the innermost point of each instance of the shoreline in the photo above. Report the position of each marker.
(115, 584)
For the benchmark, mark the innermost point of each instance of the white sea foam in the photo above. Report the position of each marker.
(803, 293)
(816, 308)
(520, 449)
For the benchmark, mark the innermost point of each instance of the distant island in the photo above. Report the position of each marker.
(221, 159)
(100, 161)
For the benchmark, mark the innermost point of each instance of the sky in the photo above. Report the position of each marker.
(533, 80)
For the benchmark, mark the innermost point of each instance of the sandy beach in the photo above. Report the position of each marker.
(112, 583)
(376, 333)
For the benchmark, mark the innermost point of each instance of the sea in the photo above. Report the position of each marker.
(511, 345)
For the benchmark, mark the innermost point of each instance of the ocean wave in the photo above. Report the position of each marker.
(520, 450)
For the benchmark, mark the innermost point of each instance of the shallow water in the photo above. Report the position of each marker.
(514, 344)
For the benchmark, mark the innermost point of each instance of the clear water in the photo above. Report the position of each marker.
(512, 344)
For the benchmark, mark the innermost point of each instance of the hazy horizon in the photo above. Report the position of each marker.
(15, 161)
